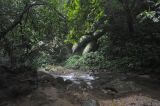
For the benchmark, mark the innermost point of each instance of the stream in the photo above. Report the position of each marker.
(77, 77)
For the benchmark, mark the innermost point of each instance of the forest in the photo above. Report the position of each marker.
(80, 52)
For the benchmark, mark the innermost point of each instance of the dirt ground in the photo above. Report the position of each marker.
(48, 94)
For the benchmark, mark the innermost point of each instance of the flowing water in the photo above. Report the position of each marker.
(77, 77)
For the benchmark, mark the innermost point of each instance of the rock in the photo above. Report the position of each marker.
(90, 103)
(68, 82)
(60, 80)
(111, 90)
(45, 77)
(18, 81)
(145, 76)
(115, 83)
(120, 87)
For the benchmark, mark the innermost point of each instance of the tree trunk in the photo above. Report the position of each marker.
(130, 22)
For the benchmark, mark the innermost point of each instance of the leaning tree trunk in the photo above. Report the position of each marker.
(91, 46)
(87, 43)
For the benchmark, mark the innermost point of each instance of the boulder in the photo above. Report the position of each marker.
(118, 86)
(44, 77)
(17, 81)
(60, 80)
(68, 82)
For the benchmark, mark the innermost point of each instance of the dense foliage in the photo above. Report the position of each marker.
(112, 34)
(92, 60)
(31, 28)
(82, 15)
(131, 41)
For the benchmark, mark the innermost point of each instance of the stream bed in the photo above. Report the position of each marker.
(76, 77)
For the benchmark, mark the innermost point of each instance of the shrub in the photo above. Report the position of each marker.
(72, 61)
(92, 60)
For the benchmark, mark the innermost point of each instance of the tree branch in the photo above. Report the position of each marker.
(60, 14)
(18, 19)
(88, 38)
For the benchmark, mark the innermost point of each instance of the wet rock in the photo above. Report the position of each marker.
(90, 103)
(68, 82)
(60, 80)
(44, 77)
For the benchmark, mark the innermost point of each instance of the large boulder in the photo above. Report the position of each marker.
(115, 83)
(17, 81)
(118, 86)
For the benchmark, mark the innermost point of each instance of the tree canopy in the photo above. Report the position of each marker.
(123, 33)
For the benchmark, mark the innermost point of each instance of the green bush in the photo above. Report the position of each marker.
(72, 62)
(92, 60)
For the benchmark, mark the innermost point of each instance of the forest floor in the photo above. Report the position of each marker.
(79, 88)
